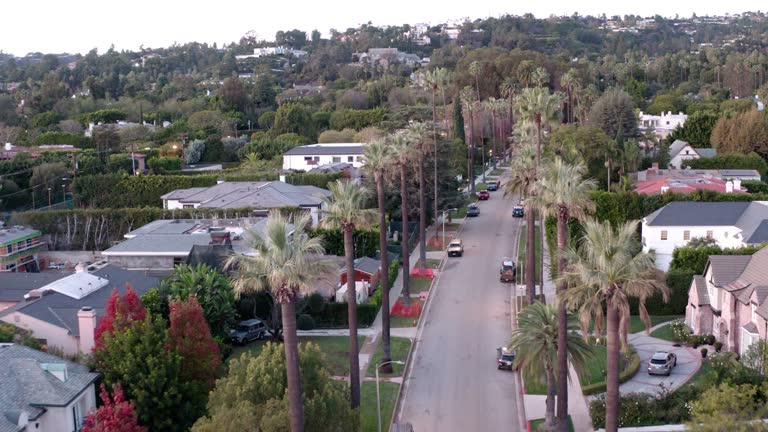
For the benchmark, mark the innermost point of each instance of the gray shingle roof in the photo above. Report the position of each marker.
(675, 147)
(727, 268)
(261, 195)
(170, 244)
(739, 173)
(701, 289)
(13, 286)
(760, 234)
(690, 213)
(26, 386)
(367, 265)
(326, 150)
(706, 152)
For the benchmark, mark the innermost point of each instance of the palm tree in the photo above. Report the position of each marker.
(474, 69)
(433, 79)
(491, 106)
(540, 107)
(536, 347)
(570, 81)
(419, 136)
(606, 269)
(468, 105)
(523, 181)
(377, 161)
(444, 81)
(509, 88)
(563, 192)
(346, 211)
(540, 76)
(286, 264)
(402, 157)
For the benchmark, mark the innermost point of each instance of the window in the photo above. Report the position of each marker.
(664, 234)
(686, 235)
(188, 206)
(29, 242)
(307, 158)
(350, 158)
(359, 158)
(710, 234)
(77, 415)
(754, 312)
(9, 248)
(336, 159)
(178, 261)
(317, 158)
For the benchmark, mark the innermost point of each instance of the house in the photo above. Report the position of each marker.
(730, 224)
(43, 393)
(681, 151)
(729, 300)
(366, 270)
(662, 124)
(14, 286)
(18, 249)
(271, 51)
(385, 56)
(64, 313)
(658, 181)
(304, 158)
(257, 195)
(161, 245)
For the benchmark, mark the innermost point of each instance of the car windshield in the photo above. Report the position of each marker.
(658, 362)
(506, 267)
(508, 357)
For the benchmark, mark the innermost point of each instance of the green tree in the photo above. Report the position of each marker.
(536, 345)
(234, 94)
(614, 111)
(419, 135)
(293, 118)
(286, 264)
(729, 407)
(605, 271)
(345, 210)
(47, 179)
(586, 145)
(539, 107)
(741, 133)
(697, 129)
(264, 93)
(402, 158)
(267, 120)
(458, 119)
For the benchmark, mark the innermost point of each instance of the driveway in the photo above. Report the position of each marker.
(688, 363)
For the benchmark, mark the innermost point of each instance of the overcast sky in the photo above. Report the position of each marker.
(53, 26)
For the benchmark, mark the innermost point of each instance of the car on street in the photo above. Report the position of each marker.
(56, 266)
(493, 186)
(508, 270)
(483, 195)
(662, 363)
(518, 211)
(247, 331)
(473, 210)
(504, 358)
(455, 248)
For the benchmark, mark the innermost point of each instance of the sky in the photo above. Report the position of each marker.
(55, 26)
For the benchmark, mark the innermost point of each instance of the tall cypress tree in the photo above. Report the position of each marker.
(458, 120)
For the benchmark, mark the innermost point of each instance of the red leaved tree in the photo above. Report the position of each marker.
(192, 340)
(116, 414)
(120, 312)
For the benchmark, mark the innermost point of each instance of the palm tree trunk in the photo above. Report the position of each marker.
(530, 254)
(549, 416)
(291, 345)
(471, 173)
(447, 112)
(562, 326)
(612, 369)
(434, 139)
(354, 359)
(384, 277)
(422, 214)
(406, 251)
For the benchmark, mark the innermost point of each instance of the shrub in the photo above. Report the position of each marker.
(316, 303)
(305, 322)
(160, 165)
(718, 346)
(394, 270)
(320, 180)
(704, 353)
(376, 297)
(710, 339)
(681, 332)
(357, 119)
(334, 315)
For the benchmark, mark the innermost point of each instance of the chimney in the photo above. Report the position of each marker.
(86, 322)
(736, 185)
(729, 187)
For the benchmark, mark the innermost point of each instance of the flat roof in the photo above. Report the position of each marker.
(16, 233)
(327, 149)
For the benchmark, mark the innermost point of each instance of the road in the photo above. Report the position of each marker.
(454, 384)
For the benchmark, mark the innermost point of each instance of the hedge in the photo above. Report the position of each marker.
(366, 242)
(695, 258)
(357, 119)
(624, 376)
(313, 179)
(334, 315)
(678, 282)
(754, 186)
(54, 138)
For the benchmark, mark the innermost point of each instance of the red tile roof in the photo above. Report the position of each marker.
(652, 187)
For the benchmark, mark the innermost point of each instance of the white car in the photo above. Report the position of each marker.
(455, 248)
(56, 266)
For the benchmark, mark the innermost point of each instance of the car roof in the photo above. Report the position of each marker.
(250, 322)
(455, 241)
(508, 262)
(660, 355)
(472, 205)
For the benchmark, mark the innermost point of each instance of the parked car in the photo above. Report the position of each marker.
(455, 248)
(508, 270)
(504, 358)
(662, 363)
(473, 210)
(493, 186)
(56, 266)
(518, 211)
(483, 195)
(247, 331)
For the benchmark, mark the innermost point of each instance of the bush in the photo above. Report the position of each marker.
(312, 179)
(704, 353)
(161, 165)
(681, 332)
(334, 315)
(755, 186)
(718, 346)
(357, 119)
(731, 161)
(305, 322)
(394, 270)
(52, 138)
(316, 303)
(376, 297)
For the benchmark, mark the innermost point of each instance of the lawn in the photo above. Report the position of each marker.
(481, 187)
(664, 332)
(700, 376)
(368, 415)
(335, 348)
(459, 214)
(636, 325)
(521, 255)
(420, 284)
(595, 367)
(399, 349)
(534, 385)
(435, 243)
(431, 263)
(540, 422)
(450, 227)
(406, 321)
(497, 172)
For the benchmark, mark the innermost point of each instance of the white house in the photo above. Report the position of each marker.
(662, 124)
(304, 158)
(271, 51)
(43, 393)
(730, 224)
(681, 151)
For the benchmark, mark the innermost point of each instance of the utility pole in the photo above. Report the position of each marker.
(49, 197)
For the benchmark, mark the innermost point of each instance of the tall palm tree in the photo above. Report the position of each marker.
(444, 78)
(474, 69)
(433, 79)
(540, 107)
(570, 81)
(377, 161)
(606, 270)
(540, 76)
(346, 211)
(536, 346)
(563, 192)
(402, 157)
(286, 264)
(509, 88)
(468, 105)
(524, 174)
(491, 107)
(419, 136)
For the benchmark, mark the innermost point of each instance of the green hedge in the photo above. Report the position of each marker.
(754, 186)
(334, 315)
(357, 119)
(312, 179)
(679, 282)
(731, 161)
(53, 138)
(366, 242)
(624, 376)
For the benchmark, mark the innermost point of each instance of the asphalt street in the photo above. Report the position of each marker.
(454, 384)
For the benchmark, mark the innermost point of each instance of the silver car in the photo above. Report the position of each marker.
(662, 363)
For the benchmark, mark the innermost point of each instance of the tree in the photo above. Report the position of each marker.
(287, 265)
(233, 94)
(255, 389)
(48, 176)
(120, 313)
(697, 129)
(402, 156)
(377, 162)
(562, 191)
(293, 118)
(570, 82)
(345, 210)
(212, 290)
(614, 111)
(419, 135)
(264, 92)
(191, 339)
(729, 407)
(604, 272)
(536, 345)
(106, 139)
(741, 133)
(540, 108)
(458, 120)
(523, 182)
(469, 108)
(756, 357)
(116, 414)
(194, 152)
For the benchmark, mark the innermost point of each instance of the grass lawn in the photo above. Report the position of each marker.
(595, 367)
(406, 321)
(535, 385)
(699, 377)
(459, 214)
(540, 422)
(420, 284)
(665, 333)
(481, 187)
(335, 348)
(636, 325)
(450, 227)
(497, 172)
(431, 263)
(399, 348)
(368, 415)
(521, 256)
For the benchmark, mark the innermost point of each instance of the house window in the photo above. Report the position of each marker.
(710, 234)
(336, 159)
(9, 248)
(350, 158)
(686, 235)
(29, 242)
(178, 261)
(188, 206)
(317, 158)
(307, 158)
(664, 234)
(754, 312)
(77, 415)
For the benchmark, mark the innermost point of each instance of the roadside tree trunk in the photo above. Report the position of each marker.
(612, 370)
(530, 254)
(405, 236)
(354, 358)
(384, 277)
(422, 214)
(291, 345)
(562, 325)
(549, 414)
